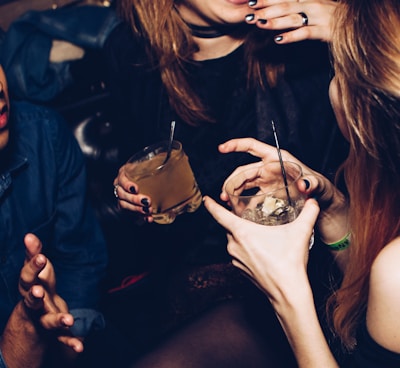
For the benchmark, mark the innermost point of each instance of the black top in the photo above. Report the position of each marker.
(300, 108)
(369, 354)
(299, 105)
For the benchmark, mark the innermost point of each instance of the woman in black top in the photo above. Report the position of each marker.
(219, 77)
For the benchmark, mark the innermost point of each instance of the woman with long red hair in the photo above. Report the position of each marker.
(362, 230)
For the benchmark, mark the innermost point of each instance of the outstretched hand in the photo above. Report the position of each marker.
(37, 286)
(24, 343)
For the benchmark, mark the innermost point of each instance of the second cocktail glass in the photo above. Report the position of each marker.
(259, 193)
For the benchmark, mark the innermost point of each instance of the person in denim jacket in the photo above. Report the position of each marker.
(42, 191)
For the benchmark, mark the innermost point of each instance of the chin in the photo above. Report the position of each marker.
(4, 137)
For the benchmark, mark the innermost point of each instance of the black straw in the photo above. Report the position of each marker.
(281, 162)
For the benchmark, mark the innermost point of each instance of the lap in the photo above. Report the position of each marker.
(232, 334)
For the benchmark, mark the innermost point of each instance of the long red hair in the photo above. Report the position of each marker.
(366, 52)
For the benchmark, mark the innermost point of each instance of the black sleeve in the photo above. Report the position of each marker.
(119, 57)
(369, 354)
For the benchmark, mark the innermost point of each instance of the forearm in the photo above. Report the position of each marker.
(338, 230)
(21, 344)
(298, 318)
(333, 225)
(333, 222)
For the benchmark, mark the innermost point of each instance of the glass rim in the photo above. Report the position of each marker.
(261, 164)
(152, 150)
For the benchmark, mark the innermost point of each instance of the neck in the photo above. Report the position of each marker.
(215, 48)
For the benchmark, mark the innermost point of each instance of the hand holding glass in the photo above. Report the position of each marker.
(171, 185)
(259, 194)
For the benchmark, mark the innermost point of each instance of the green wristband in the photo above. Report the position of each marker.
(341, 244)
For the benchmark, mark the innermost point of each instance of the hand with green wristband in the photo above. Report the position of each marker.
(333, 217)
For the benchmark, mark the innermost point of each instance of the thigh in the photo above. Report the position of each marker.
(233, 334)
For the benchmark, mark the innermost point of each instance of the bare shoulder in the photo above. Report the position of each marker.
(386, 267)
(384, 297)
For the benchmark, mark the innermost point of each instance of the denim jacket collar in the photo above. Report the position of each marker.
(13, 167)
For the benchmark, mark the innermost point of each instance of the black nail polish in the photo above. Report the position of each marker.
(249, 17)
(262, 21)
(145, 202)
(252, 2)
(307, 183)
(132, 190)
(146, 209)
(278, 38)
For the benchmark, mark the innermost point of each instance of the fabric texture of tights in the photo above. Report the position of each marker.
(233, 334)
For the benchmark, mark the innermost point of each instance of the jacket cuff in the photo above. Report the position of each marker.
(86, 321)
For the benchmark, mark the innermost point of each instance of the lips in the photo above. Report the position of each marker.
(3, 115)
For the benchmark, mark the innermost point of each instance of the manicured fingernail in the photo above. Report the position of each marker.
(278, 38)
(249, 17)
(262, 21)
(252, 2)
(307, 183)
(145, 202)
(146, 209)
(132, 190)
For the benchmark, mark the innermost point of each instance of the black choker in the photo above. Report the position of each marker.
(210, 31)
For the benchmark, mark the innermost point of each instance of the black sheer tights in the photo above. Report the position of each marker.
(240, 333)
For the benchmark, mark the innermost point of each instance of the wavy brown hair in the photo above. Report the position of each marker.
(366, 53)
(170, 46)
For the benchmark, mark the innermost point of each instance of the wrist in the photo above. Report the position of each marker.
(26, 319)
(333, 218)
(333, 226)
(340, 244)
(21, 344)
(288, 295)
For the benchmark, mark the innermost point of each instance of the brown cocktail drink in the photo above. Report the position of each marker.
(171, 186)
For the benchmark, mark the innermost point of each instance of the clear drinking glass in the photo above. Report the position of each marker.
(260, 194)
(171, 186)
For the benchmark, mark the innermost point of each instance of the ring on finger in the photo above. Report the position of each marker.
(116, 190)
(304, 19)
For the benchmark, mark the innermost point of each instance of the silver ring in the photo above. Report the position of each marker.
(311, 243)
(304, 19)
(116, 190)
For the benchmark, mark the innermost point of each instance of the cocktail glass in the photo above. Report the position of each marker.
(260, 194)
(171, 185)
